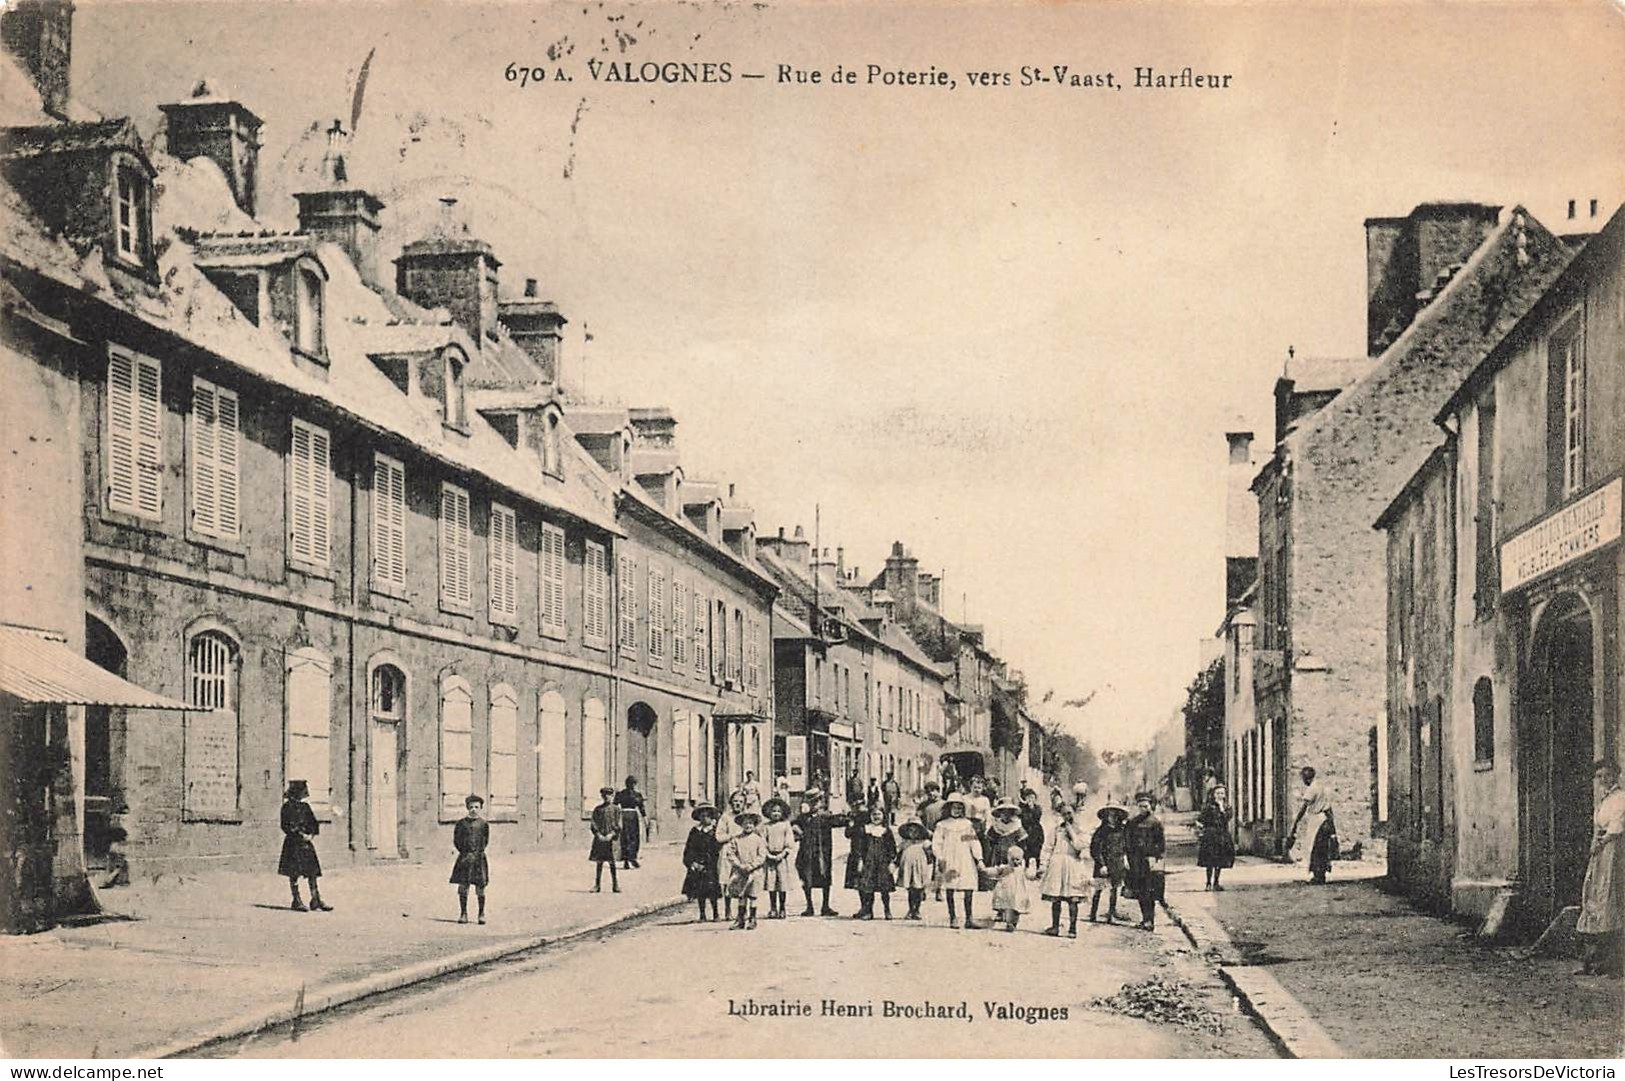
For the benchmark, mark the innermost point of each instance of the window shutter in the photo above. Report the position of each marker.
(121, 432)
(456, 746)
(455, 578)
(657, 614)
(551, 766)
(679, 753)
(552, 576)
(388, 522)
(228, 474)
(149, 439)
(205, 455)
(504, 598)
(596, 588)
(309, 678)
(310, 497)
(679, 620)
(299, 502)
(628, 604)
(504, 751)
(700, 606)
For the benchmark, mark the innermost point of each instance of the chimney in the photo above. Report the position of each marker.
(1407, 256)
(340, 213)
(40, 34)
(902, 576)
(654, 426)
(840, 562)
(453, 269)
(212, 126)
(536, 326)
(1240, 518)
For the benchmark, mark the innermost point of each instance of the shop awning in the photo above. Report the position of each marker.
(740, 718)
(38, 666)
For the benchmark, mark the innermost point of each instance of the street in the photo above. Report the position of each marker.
(666, 985)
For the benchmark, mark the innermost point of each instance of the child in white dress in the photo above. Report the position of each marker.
(914, 865)
(1011, 896)
(959, 858)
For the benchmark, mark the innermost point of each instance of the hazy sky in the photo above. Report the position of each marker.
(1005, 325)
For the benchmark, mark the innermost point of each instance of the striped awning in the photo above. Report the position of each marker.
(38, 666)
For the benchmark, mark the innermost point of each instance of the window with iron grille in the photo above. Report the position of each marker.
(209, 760)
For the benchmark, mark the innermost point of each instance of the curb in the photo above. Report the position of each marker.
(1277, 1011)
(328, 997)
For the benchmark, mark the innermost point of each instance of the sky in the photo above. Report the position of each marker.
(1007, 326)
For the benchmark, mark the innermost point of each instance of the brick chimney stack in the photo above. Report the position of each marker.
(40, 34)
(214, 126)
(536, 327)
(453, 269)
(341, 213)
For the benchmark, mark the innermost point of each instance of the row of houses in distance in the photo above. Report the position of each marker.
(1423, 576)
(293, 513)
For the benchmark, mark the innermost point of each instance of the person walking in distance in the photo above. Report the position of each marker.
(1145, 850)
(1215, 846)
(1314, 814)
(892, 793)
(299, 828)
(606, 830)
(469, 837)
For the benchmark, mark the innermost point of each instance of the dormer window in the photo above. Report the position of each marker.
(132, 212)
(456, 416)
(310, 331)
(550, 447)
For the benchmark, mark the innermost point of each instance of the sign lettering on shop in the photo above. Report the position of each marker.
(1574, 532)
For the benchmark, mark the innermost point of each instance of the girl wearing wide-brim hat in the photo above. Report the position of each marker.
(914, 864)
(1004, 830)
(298, 859)
(1108, 847)
(778, 877)
(959, 858)
(745, 856)
(702, 852)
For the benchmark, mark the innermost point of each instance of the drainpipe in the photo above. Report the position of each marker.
(349, 630)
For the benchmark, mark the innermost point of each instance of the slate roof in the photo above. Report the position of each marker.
(1325, 373)
(70, 137)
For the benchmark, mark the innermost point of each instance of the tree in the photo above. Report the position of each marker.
(1204, 723)
(1068, 758)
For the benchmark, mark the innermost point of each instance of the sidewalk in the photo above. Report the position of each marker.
(1362, 973)
(222, 953)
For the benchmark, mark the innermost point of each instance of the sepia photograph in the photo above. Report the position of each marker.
(802, 530)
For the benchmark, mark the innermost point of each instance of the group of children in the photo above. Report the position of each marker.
(734, 857)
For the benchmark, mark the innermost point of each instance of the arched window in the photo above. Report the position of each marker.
(387, 708)
(504, 752)
(209, 770)
(310, 332)
(456, 745)
(550, 762)
(1484, 722)
(308, 691)
(595, 745)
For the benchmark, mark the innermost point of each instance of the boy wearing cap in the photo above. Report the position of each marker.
(1145, 850)
(1109, 849)
(470, 837)
(746, 856)
(606, 829)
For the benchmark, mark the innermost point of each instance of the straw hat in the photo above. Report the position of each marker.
(702, 809)
(913, 830)
(1004, 806)
(784, 808)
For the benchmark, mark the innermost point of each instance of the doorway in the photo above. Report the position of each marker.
(1557, 746)
(388, 711)
(104, 747)
(641, 749)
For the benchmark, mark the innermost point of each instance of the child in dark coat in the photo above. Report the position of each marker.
(1108, 847)
(606, 830)
(299, 860)
(470, 837)
(701, 856)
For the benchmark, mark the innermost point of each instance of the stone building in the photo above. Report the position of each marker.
(343, 521)
(1526, 690)
(1443, 284)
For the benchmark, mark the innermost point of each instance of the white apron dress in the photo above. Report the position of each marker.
(1067, 874)
(1602, 898)
(956, 848)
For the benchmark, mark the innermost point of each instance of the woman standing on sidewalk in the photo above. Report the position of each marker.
(1602, 898)
(1215, 847)
(631, 803)
(1314, 812)
(299, 860)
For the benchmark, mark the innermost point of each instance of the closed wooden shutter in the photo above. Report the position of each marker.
(596, 588)
(680, 625)
(310, 494)
(503, 550)
(657, 614)
(628, 614)
(455, 585)
(504, 751)
(594, 748)
(388, 524)
(551, 762)
(215, 473)
(680, 753)
(309, 679)
(552, 580)
(135, 435)
(456, 745)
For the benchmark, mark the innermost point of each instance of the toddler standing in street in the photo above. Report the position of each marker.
(780, 838)
(914, 865)
(1109, 849)
(745, 856)
(1011, 896)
